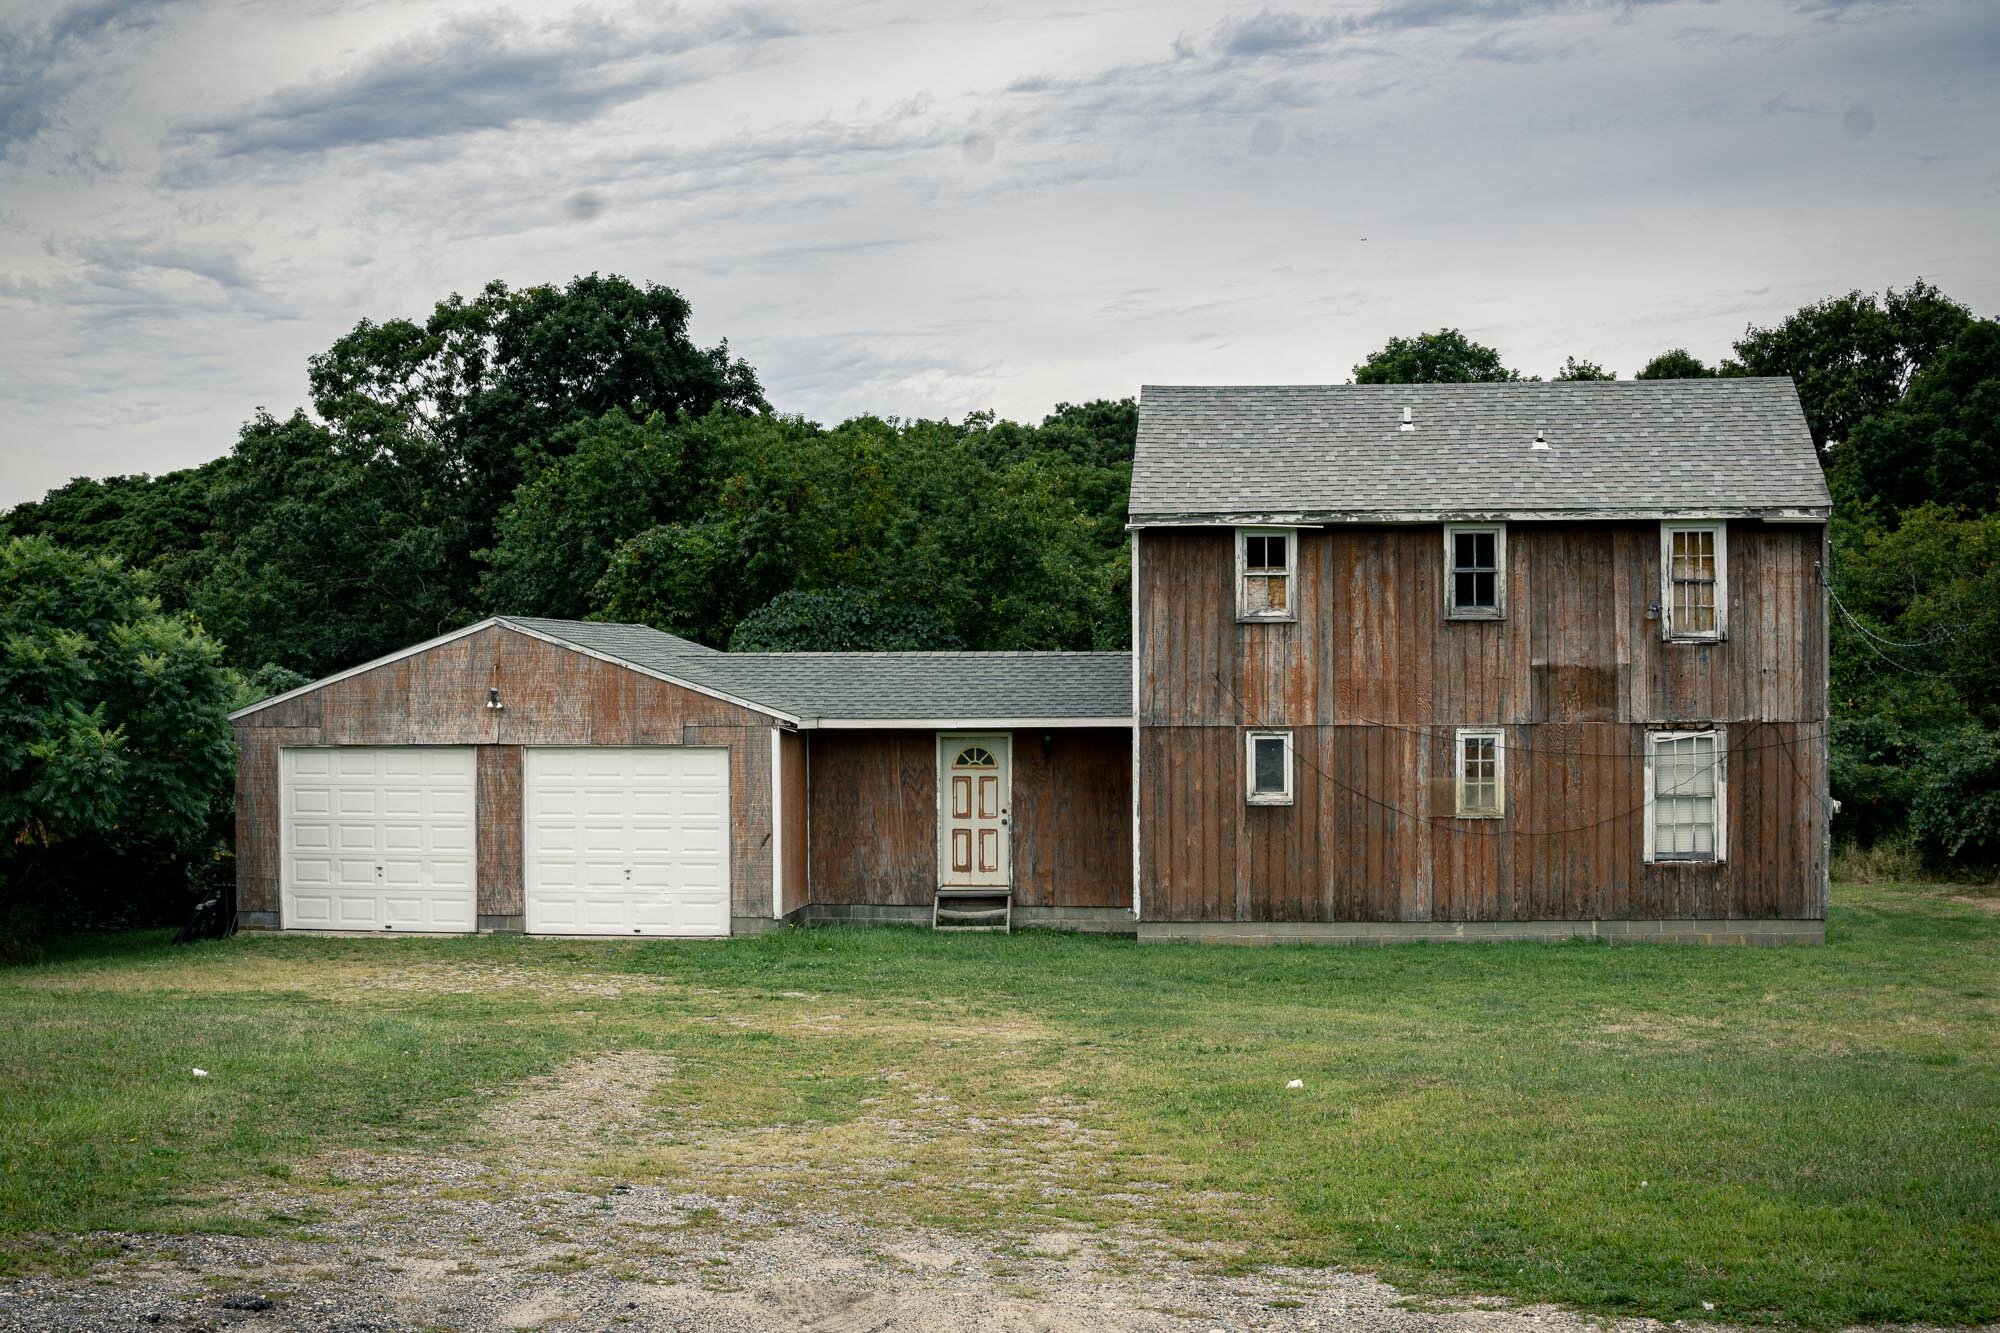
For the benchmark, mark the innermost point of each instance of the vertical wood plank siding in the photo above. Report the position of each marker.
(1072, 811)
(792, 811)
(554, 697)
(497, 824)
(874, 818)
(1373, 681)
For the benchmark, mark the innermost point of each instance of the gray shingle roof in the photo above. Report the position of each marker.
(884, 687)
(1631, 448)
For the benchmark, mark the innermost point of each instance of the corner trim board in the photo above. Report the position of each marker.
(777, 805)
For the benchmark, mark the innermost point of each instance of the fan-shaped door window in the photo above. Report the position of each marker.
(975, 756)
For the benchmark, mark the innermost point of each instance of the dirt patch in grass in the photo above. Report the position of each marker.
(356, 979)
(502, 1234)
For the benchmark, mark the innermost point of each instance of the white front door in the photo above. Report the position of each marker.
(627, 842)
(975, 791)
(376, 838)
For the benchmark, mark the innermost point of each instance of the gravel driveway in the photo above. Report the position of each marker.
(642, 1258)
(518, 1232)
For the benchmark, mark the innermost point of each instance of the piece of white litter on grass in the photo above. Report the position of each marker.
(1708, 1305)
(1296, 1083)
(201, 1073)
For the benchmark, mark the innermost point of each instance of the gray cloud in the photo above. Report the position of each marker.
(40, 67)
(475, 74)
(107, 256)
(922, 210)
(1400, 15)
(1271, 32)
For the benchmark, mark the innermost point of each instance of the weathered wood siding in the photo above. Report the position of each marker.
(1073, 818)
(1373, 681)
(874, 818)
(793, 817)
(554, 696)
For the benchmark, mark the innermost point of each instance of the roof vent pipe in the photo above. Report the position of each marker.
(1407, 423)
(1541, 440)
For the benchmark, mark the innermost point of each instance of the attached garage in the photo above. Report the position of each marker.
(377, 838)
(627, 842)
(572, 778)
(549, 776)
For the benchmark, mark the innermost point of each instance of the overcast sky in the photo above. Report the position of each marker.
(916, 209)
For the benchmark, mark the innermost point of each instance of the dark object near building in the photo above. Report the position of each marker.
(211, 921)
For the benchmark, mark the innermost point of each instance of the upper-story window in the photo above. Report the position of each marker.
(1264, 567)
(1694, 579)
(1475, 559)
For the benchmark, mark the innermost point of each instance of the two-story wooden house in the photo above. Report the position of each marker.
(1458, 661)
(1480, 660)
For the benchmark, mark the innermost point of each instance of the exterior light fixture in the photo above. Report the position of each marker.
(493, 698)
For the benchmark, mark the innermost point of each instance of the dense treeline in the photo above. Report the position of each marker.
(571, 451)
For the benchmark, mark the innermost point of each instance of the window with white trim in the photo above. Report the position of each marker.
(1475, 564)
(1268, 762)
(1480, 763)
(1686, 796)
(1264, 574)
(1694, 580)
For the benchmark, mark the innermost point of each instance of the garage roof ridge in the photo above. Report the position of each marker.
(1043, 686)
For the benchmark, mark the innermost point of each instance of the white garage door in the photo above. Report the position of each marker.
(627, 842)
(377, 839)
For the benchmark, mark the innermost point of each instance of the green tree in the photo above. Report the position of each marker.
(612, 479)
(1916, 674)
(157, 524)
(841, 620)
(1941, 440)
(1675, 364)
(685, 578)
(1444, 357)
(1573, 369)
(115, 745)
(327, 550)
(492, 385)
(986, 533)
(1852, 356)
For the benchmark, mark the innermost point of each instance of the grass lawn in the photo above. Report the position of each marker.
(1802, 1136)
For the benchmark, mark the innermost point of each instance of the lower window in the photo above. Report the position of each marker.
(1686, 801)
(1481, 765)
(1268, 762)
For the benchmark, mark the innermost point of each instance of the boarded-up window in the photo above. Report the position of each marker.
(1695, 597)
(1481, 765)
(1475, 585)
(1265, 559)
(1686, 807)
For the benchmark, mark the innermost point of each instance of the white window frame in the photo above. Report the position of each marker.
(1667, 628)
(1653, 739)
(1452, 610)
(1250, 792)
(1291, 611)
(1498, 735)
